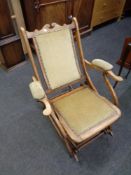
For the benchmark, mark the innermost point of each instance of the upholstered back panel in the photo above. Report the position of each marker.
(57, 54)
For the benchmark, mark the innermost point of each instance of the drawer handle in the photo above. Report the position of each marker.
(105, 4)
(13, 17)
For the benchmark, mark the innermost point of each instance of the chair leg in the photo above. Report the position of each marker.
(127, 73)
(71, 150)
(119, 73)
(109, 131)
(76, 157)
(70, 147)
(115, 84)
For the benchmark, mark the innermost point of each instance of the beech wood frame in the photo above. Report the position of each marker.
(72, 146)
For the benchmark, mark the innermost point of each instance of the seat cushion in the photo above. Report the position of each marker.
(85, 113)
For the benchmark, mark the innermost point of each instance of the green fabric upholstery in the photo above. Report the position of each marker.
(57, 53)
(84, 110)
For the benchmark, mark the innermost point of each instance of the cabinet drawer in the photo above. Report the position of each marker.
(103, 5)
(12, 54)
(119, 4)
(104, 16)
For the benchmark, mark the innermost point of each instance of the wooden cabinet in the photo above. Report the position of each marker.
(6, 25)
(11, 52)
(127, 5)
(82, 10)
(125, 58)
(105, 10)
(40, 12)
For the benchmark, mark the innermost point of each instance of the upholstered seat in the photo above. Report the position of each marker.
(84, 113)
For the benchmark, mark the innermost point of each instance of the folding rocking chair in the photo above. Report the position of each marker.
(70, 98)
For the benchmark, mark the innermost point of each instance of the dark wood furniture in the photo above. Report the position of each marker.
(125, 59)
(127, 6)
(11, 52)
(126, 54)
(40, 12)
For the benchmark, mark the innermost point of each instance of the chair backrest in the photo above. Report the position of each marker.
(56, 52)
(55, 48)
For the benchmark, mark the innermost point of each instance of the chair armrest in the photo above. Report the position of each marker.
(104, 66)
(36, 90)
(47, 111)
(114, 76)
(38, 93)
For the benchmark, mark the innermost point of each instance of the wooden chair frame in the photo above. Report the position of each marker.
(49, 109)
